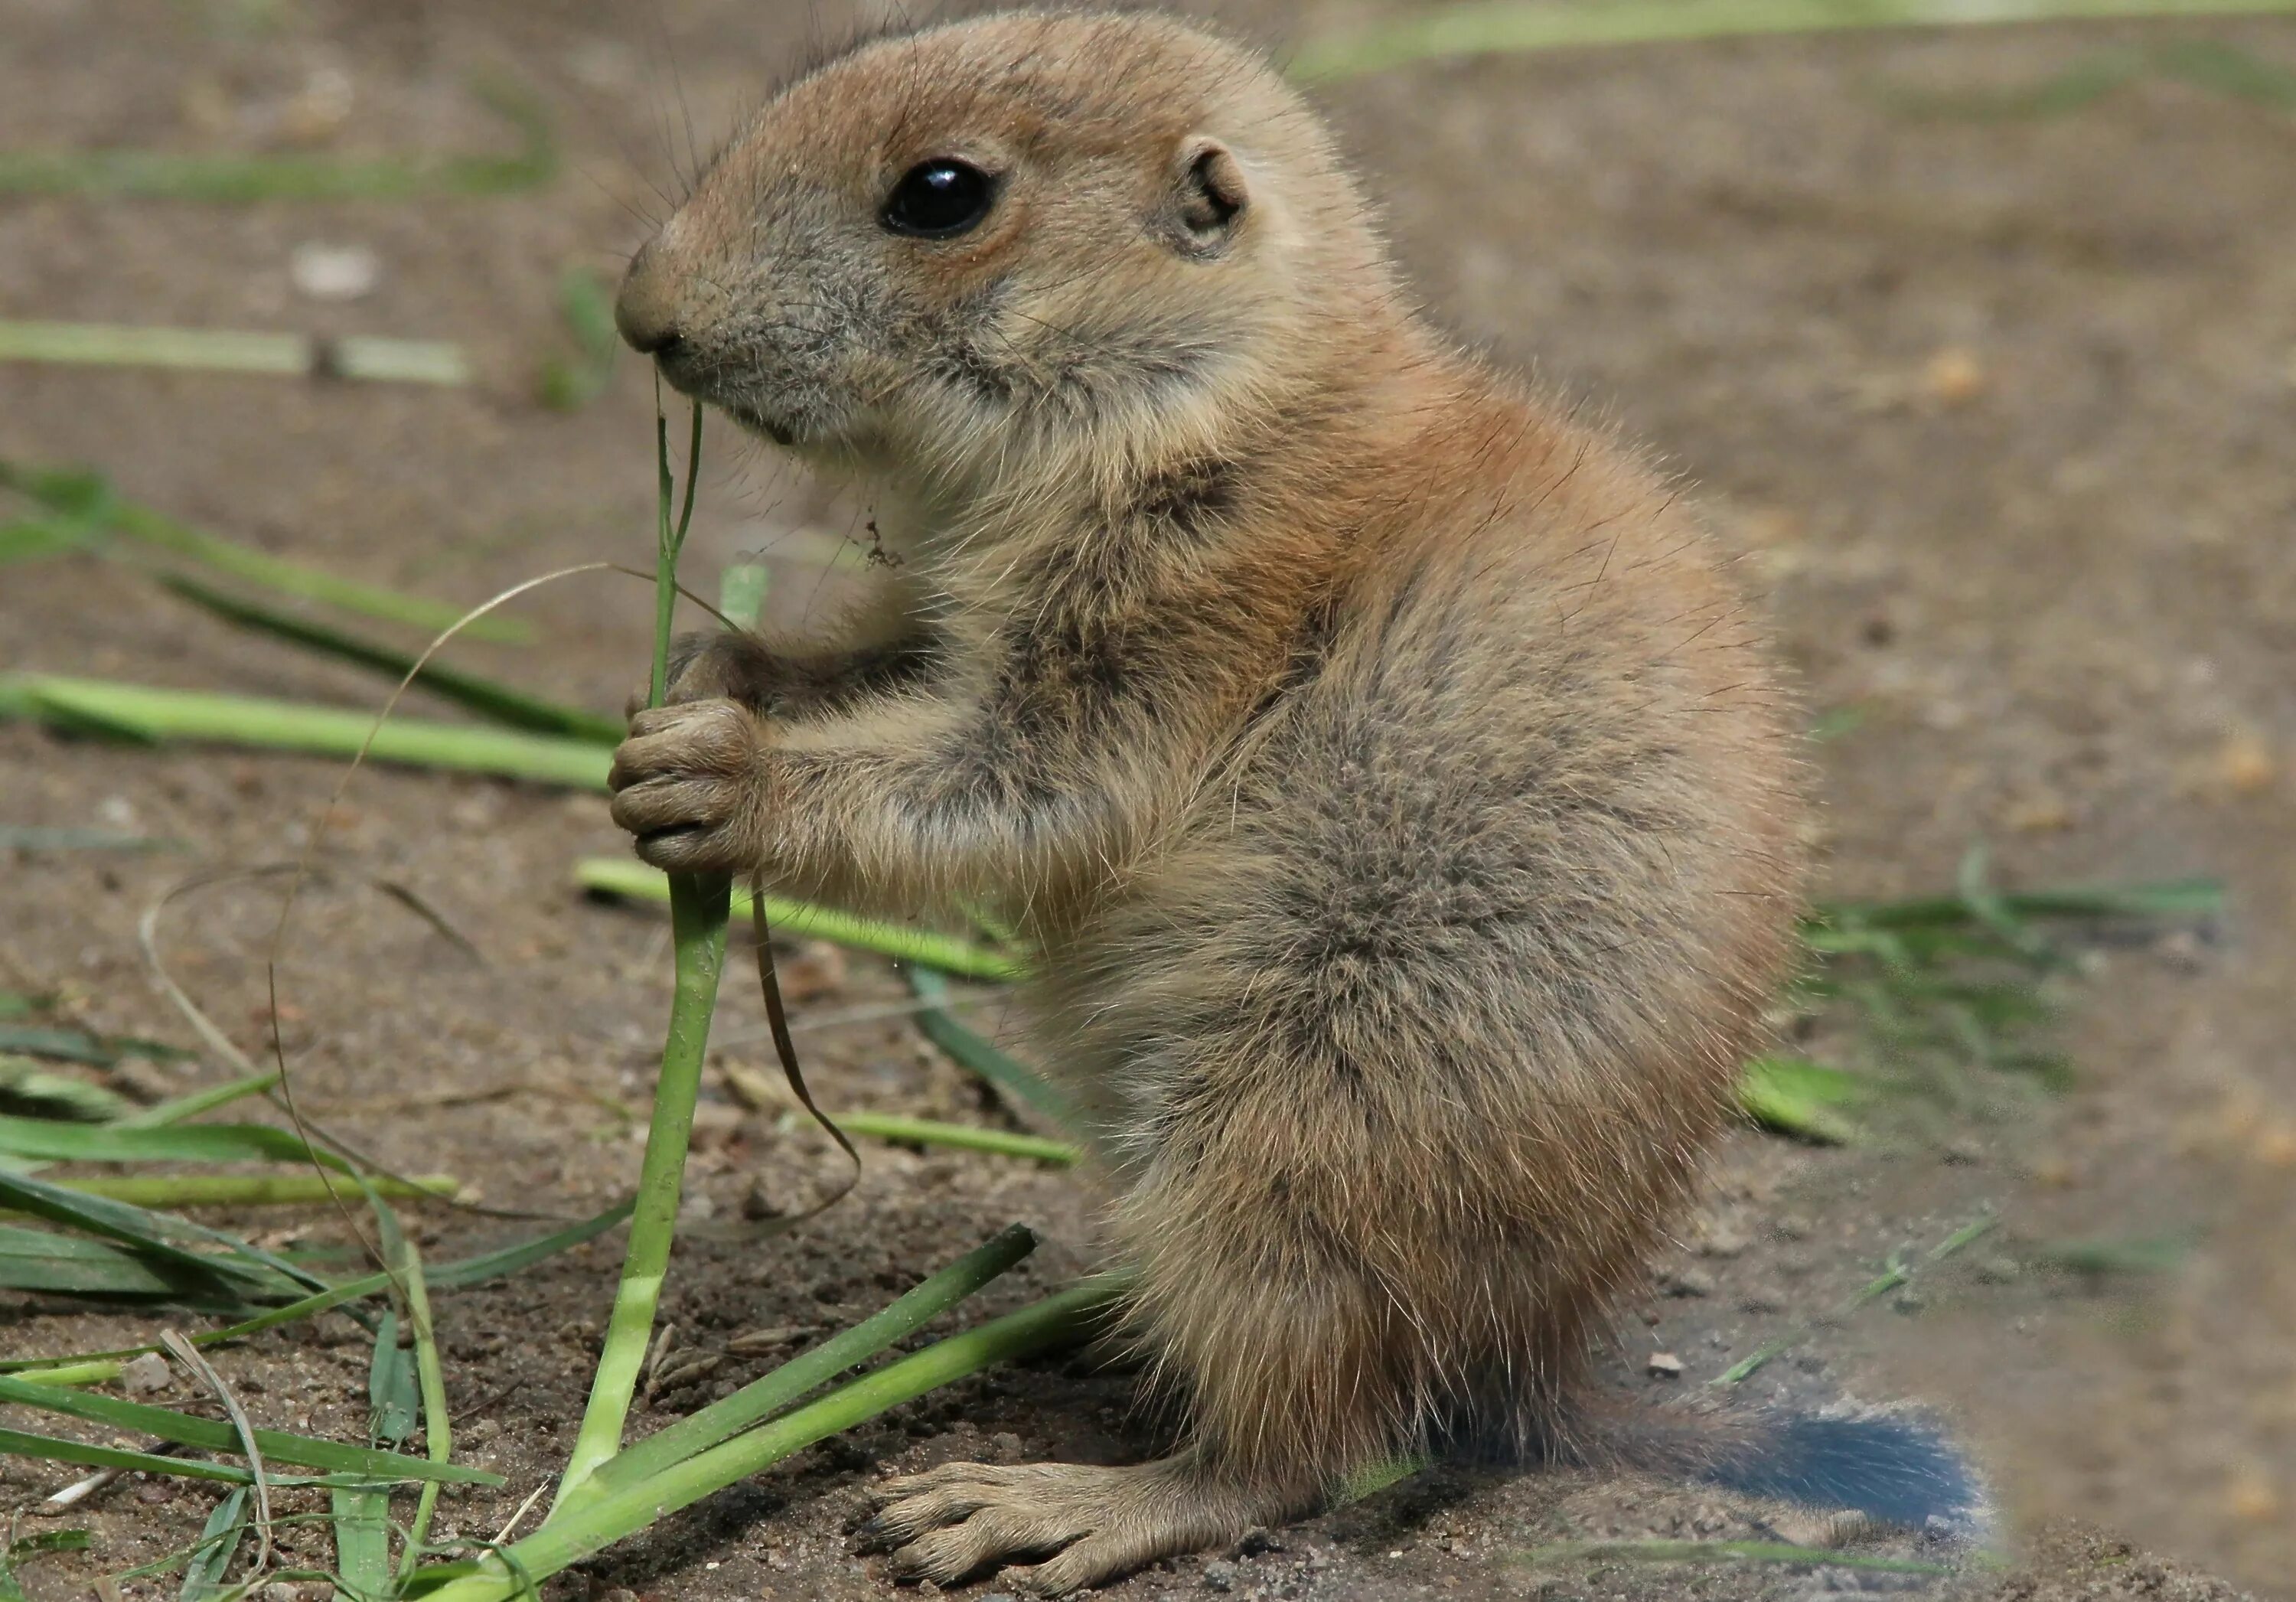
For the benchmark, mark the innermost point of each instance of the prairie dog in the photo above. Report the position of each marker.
(1399, 791)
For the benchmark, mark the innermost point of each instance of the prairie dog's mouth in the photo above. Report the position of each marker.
(679, 375)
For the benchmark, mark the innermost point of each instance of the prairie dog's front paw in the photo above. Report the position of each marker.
(729, 664)
(688, 783)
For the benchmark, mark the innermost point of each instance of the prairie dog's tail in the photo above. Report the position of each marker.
(1897, 1470)
(1900, 1470)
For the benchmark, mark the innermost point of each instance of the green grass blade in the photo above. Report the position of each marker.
(1792, 1096)
(741, 592)
(431, 1377)
(635, 881)
(27, 1090)
(597, 1524)
(163, 174)
(969, 1050)
(154, 1235)
(699, 907)
(253, 1190)
(390, 1383)
(777, 1392)
(362, 1523)
(48, 1541)
(76, 1374)
(42, 1263)
(513, 708)
(215, 1435)
(2169, 898)
(20, 837)
(926, 1131)
(89, 497)
(1513, 26)
(81, 1045)
(698, 912)
(181, 1109)
(475, 1270)
(48, 1141)
(55, 1449)
(218, 1544)
(142, 712)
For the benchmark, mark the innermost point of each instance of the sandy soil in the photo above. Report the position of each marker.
(2004, 409)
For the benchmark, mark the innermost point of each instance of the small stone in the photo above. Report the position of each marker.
(2244, 765)
(1219, 1576)
(1907, 1302)
(697, 1208)
(2039, 812)
(1687, 1283)
(760, 1202)
(145, 1375)
(1954, 377)
(320, 108)
(1722, 1242)
(325, 272)
(1998, 1269)
(1663, 1365)
(2182, 950)
(2251, 1496)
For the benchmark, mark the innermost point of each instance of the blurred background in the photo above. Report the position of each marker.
(1979, 343)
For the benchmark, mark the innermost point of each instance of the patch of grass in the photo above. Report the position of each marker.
(501, 704)
(1898, 1272)
(1512, 26)
(2218, 66)
(236, 179)
(83, 506)
(147, 715)
(1936, 986)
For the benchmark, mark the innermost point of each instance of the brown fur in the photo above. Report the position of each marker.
(1397, 788)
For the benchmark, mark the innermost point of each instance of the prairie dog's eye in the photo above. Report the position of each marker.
(938, 199)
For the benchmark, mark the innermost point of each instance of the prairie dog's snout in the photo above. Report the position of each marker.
(646, 309)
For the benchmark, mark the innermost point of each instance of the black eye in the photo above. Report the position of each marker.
(938, 199)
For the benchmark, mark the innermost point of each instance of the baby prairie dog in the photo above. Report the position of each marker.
(1397, 791)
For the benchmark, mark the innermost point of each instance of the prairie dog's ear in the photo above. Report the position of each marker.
(1212, 191)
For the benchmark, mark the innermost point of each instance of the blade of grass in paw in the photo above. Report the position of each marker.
(698, 910)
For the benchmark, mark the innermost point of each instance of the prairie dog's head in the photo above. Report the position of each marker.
(1032, 232)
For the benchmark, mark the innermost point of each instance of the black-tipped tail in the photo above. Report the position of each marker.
(1895, 1470)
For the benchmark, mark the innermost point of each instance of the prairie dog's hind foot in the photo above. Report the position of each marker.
(1088, 1523)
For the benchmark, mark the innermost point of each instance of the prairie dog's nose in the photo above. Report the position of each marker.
(646, 310)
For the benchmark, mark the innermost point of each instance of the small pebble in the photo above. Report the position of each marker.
(325, 272)
(145, 1375)
(1664, 1365)
(1219, 1576)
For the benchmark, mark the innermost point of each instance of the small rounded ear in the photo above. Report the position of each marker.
(1212, 191)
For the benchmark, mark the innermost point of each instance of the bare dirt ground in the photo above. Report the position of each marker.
(2004, 410)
